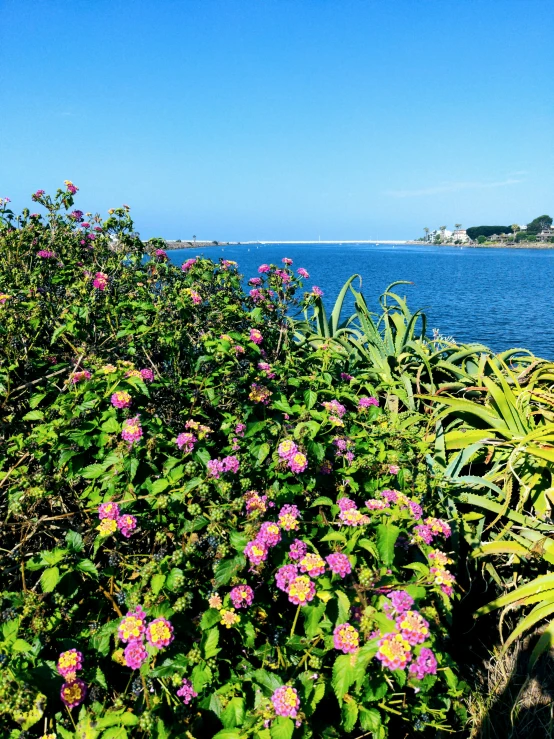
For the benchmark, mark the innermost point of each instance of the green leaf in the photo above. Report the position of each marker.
(228, 568)
(238, 541)
(93, 471)
(36, 399)
(344, 607)
(370, 719)
(233, 715)
(100, 678)
(212, 640)
(159, 486)
(349, 714)
(263, 451)
(312, 617)
(20, 645)
(157, 582)
(344, 674)
(87, 566)
(310, 398)
(268, 680)
(74, 541)
(282, 728)
(322, 500)
(49, 579)
(33, 416)
(115, 732)
(209, 618)
(387, 534)
(228, 734)
(111, 426)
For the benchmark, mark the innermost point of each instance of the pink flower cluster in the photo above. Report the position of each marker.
(242, 596)
(286, 701)
(264, 269)
(297, 549)
(132, 430)
(365, 402)
(346, 639)
(302, 273)
(424, 664)
(73, 693)
(186, 691)
(121, 399)
(269, 534)
(186, 441)
(317, 291)
(77, 377)
(69, 663)
(339, 564)
(255, 281)
(399, 602)
(133, 629)
(431, 528)
(259, 393)
(217, 467)
(266, 369)
(349, 513)
(188, 264)
(161, 254)
(44, 254)
(296, 461)
(100, 281)
(255, 502)
(256, 336)
(287, 261)
(288, 517)
(111, 520)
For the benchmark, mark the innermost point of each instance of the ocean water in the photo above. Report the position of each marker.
(503, 298)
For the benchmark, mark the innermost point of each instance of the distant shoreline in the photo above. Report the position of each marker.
(173, 245)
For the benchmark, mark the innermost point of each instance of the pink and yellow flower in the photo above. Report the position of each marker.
(107, 527)
(108, 510)
(229, 617)
(69, 663)
(132, 430)
(159, 633)
(214, 601)
(256, 552)
(242, 596)
(301, 590)
(121, 399)
(346, 638)
(286, 701)
(394, 651)
(414, 628)
(313, 564)
(135, 655)
(73, 693)
(132, 626)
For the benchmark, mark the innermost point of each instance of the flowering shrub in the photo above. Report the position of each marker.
(199, 543)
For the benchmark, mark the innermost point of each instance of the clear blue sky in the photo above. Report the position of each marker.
(282, 119)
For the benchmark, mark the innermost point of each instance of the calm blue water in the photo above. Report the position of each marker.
(503, 298)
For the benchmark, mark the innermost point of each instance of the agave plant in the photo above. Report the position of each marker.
(509, 432)
(524, 537)
(405, 361)
(316, 329)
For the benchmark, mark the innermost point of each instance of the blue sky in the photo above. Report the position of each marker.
(282, 119)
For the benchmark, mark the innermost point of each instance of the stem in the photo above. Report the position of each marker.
(294, 622)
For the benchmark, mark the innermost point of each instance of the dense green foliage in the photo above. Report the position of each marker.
(475, 231)
(245, 475)
(538, 224)
(155, 421)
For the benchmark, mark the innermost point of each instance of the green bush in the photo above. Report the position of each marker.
(209, 530)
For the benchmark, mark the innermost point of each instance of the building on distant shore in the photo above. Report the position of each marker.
(547, 234)
(460, 234)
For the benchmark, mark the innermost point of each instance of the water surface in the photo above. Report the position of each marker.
(501, 297)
